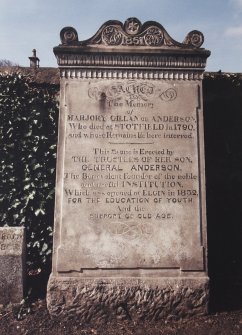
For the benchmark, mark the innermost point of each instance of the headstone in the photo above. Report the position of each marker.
(12, 264)
(130, 219)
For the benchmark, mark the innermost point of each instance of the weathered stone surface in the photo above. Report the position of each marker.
(95, 300)
(12, 264)
(135, 180)
(130, 198)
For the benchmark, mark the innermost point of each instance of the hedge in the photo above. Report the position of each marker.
(28, 138)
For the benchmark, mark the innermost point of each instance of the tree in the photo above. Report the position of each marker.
(6, 62)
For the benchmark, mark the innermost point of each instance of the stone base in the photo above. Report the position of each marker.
(12, 264)
(105, 299)
(11, 279)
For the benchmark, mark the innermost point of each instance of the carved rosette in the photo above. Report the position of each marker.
(132, 26)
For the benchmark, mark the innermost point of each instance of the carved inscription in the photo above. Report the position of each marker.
(152, 36)
(10, 240)
(117, 91)
(131, 170)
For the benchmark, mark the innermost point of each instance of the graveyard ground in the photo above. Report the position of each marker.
(225, 318)
(38, 321)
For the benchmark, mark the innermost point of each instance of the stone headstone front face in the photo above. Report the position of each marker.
(12, 264)
(130, 220)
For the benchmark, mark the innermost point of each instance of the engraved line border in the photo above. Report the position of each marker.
(198, 109)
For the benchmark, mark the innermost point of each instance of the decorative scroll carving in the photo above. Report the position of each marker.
(68, 35)
(111, 36)
(169, 95)
(153, 36)
(195, 38)
(132, 33)
(131, 230)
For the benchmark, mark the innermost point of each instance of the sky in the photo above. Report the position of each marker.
(36, 24)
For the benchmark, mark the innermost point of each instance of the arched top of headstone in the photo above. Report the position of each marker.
(132, 34)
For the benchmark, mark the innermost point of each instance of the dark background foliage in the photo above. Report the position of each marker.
(223, 152)
(28, 138)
